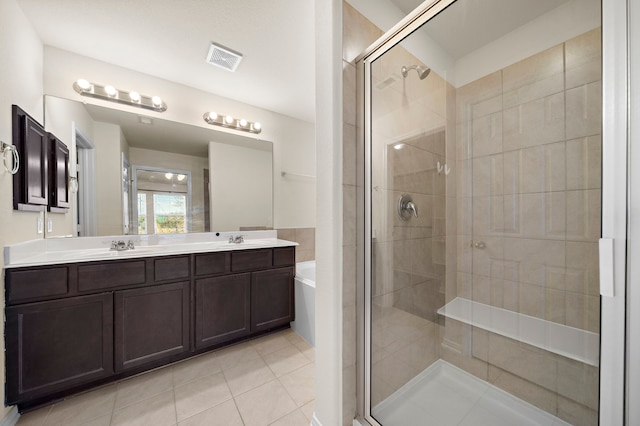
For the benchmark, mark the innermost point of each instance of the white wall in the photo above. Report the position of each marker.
(106, 138)
(293, 140)
(21, 84)
(238, 175)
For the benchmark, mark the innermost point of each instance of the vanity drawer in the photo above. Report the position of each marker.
(284, 256)
(111, 275)
(248, 260)
(33, 284)
(171, 268)
(212, 263)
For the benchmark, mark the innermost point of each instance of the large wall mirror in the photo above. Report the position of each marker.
(143, 175)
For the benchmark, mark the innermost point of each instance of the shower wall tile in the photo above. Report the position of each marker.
(484, 260)
(583, 59)
(525, 361)
(348, 154)
(488, 218)
(532, 301)
(349, 215)
(305, 237)
(584, 110)
(348, 93)
(575, 413)
(582, 268)
(349, 278)
(536, 75)
(357, 33)
(536, 122)
(584, 159)
(487, 134)
(554, 308)
(533, 257)
(578, 381)
(488, 175)
(524, 389)
(477, 92)
(583, 215)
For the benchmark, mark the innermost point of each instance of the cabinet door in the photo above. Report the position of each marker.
(272, 303)
(58, 176)
(30, 191)
(151, 323)
(222, 309)
(56, 345)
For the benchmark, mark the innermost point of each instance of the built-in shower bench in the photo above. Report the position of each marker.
(570, 342)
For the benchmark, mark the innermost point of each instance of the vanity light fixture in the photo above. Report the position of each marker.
(232, 122)
(110, 93)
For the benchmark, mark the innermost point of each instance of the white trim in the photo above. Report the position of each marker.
(87, 153)
(12, 417)
(614, 206)
(633, 295)
(315, 421)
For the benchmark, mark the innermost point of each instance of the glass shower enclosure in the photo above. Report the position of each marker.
(483, 214)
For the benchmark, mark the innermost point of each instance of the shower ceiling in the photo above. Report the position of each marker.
(474, 34)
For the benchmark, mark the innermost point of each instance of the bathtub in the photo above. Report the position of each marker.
(305, 301)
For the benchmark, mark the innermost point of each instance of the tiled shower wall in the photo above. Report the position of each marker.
(529, 155)
(305, 237)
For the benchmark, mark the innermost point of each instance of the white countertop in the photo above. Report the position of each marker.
(90, 249)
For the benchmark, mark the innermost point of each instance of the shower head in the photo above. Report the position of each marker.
(423, 72)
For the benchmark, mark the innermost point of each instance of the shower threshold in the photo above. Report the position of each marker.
(445, 395)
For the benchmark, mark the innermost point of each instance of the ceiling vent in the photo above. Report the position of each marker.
(223, 57)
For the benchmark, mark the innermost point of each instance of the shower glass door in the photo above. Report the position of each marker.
(483, 203)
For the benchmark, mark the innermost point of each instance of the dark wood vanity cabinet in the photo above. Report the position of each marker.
(272, 299)
(57, 345)
(151, 323)
(222, 309)
(71, 326)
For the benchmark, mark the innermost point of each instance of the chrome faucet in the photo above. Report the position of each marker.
(236, 240)
(121, 245)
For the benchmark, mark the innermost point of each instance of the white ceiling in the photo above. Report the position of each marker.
(170, 39)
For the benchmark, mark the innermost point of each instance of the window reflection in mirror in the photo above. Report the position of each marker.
(163, 201)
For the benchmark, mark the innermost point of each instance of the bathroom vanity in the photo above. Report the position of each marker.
(72, 324)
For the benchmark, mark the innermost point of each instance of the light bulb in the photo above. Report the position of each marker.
(168, 175)
(110, 90)
(83, 84)
(398, 146)
(135, 96)
(243, 122)
(228, 119)
(257, 126)
(156, 101)
(181, 177)
(213, 115)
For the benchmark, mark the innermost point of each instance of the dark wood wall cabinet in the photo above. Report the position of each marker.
(73, 326)
(42, 181)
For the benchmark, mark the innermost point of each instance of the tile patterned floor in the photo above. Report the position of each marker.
(267, 381)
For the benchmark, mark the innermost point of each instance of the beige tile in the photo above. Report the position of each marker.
(475, 93)
(488, 175)
(306, 237)
(34, 418)
(195, 368)
(487, 135)
(288, 234)
(349, 215)
(144, 386)
(265, 404)
(536, 68)
(578, 382)
(583, 58)
(270, 343)
(349, 94)
(300, 384)
(83, 408)
(582, 275)
(575, 413)
(295, 418)
(584, 163)
(527, 391)
(307, 409)
(584, 110)
(100, 421)
(583, 215)
(285, 360)
(158, 411)
(225, 414)
(201, 394)
(305, 255)
(248, 375)
(534, 123)
(357, 32)
(349, 154)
